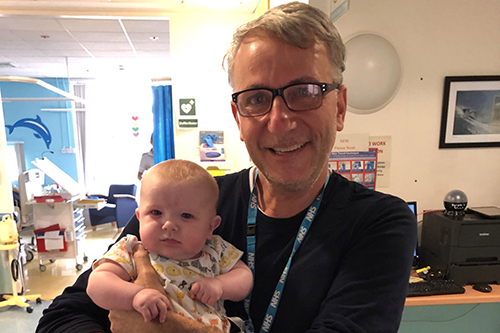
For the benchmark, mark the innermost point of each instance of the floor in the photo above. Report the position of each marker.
(50, 283)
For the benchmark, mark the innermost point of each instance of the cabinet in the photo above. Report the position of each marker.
(59, 232)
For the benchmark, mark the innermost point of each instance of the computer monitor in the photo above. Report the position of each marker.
(413, 207)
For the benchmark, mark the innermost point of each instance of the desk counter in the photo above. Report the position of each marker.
(470, 296)
(472, 311)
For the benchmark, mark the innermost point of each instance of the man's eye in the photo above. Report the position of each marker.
(155, 212)
(257, 98)
(302, 92)
(186, 215)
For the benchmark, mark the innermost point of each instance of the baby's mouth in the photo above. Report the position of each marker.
(170, 241)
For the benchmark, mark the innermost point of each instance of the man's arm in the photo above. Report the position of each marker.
(110, 287)
(368, 293)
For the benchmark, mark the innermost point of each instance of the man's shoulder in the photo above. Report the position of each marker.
(356, 195)
(231, 180)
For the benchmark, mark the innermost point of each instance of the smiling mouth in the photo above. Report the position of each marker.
(282, 151)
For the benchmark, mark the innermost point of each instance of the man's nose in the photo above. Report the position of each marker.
(281, 118)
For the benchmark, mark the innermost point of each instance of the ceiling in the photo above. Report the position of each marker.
(86, 46)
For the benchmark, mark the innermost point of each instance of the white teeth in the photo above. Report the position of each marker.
(289, 149)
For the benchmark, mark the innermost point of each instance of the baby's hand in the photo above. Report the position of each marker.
(151, 303)
(207, 290)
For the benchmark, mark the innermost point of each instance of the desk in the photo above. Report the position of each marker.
(473, 311)
(471, 296)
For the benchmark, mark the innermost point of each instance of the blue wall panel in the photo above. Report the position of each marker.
(41, 131)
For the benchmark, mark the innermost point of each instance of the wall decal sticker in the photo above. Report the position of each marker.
(135, 126)
(41, 131)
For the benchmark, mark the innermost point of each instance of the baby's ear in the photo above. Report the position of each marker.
(213, 225)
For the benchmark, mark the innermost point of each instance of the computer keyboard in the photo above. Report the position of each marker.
(434, 287)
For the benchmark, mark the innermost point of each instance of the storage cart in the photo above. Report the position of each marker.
(59, 231)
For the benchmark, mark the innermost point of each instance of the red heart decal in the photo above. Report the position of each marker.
(134, 118)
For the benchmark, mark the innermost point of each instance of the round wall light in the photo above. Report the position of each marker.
(373, 73)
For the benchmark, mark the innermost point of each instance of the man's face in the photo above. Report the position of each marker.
(290, 148)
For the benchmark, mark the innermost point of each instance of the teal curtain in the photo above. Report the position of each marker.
(163, 118)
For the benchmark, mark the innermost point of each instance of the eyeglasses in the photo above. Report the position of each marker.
(297, 97)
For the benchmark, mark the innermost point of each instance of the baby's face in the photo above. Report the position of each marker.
(176, 218)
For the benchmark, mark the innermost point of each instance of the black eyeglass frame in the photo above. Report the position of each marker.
(325, 88)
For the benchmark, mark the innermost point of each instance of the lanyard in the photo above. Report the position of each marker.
(301, 234)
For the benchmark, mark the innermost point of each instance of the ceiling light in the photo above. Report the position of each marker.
(7, 65)
(154, 38)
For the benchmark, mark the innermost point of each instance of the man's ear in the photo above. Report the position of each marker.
(236, 116)
(341, 107)
(213, 225)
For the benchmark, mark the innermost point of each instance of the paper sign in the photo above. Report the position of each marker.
(351, 142)
(383, 146)
(52, 234)
(54, 243)
(187, 107)
(357, 166)
(188, 123)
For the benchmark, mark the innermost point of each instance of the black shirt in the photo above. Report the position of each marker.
(349, 275)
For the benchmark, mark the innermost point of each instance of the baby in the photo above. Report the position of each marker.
(177, 215)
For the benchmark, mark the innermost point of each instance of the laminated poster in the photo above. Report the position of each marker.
(359, 166)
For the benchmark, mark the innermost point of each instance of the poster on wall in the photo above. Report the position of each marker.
(358, 166)
(187, 109)
(363, 142)
(383, 146)
(212, 146)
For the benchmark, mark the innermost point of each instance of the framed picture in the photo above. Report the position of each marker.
(471, 112)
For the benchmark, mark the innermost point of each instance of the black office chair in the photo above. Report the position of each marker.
(120, 206)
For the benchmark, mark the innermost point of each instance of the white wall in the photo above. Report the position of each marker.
(434, 39)
(198, 43)
(6, 202)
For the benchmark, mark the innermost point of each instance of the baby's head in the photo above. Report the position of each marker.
(177, 209)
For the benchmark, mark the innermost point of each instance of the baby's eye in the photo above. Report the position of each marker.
(156, 212)
(186, 215)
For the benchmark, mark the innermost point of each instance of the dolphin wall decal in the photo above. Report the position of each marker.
(41, 131)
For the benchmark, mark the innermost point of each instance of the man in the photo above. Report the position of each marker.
(147, 161)
(330, 255)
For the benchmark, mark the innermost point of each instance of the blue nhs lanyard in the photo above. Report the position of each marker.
(301, 234)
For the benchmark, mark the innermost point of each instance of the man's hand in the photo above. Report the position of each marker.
(132, 321)
(207, 290)
(151, 304)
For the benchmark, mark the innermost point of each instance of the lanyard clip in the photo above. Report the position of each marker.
(250, 230)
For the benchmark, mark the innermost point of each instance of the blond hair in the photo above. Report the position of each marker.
(185, 171)
(297, 24)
